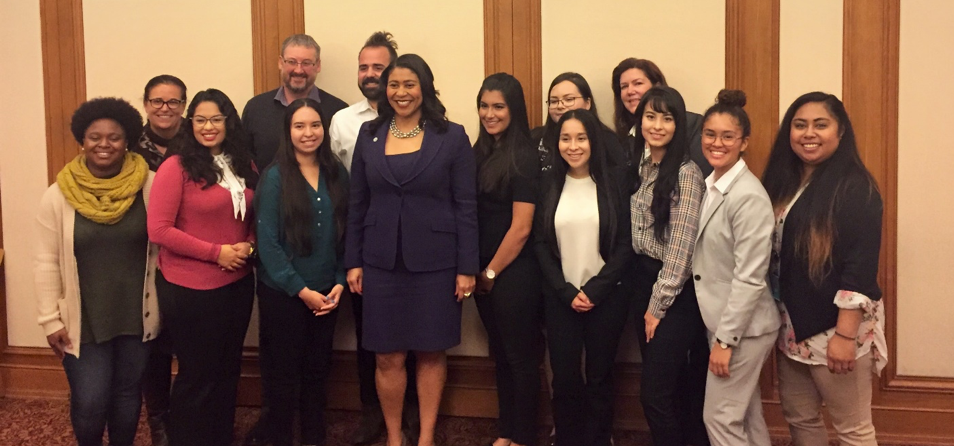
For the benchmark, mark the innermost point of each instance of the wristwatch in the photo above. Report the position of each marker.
(490, 274)
(722, 344)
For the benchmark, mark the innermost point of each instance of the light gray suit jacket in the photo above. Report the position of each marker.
(731, 260)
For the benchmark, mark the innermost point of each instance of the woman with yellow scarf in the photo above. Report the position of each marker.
(94, 272)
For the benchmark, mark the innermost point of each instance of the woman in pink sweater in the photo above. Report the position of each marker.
(200, 216)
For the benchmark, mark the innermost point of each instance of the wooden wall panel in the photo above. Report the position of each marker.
(64, 77)
(751, 65)
(512, 44)
(272, 22)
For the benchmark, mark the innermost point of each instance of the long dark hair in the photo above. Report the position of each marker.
(433, 112)
(555, 178)
(551, 129)
(622, 118)
(497, 158)
(296, 204)
(663, 99)
(196, 159)
(830, 180)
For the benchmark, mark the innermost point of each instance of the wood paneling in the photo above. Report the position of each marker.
(751, 65)
(512, 44)
(64, 77)
(871, 58)
(272, 22)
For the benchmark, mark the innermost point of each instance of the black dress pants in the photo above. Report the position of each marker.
(583, 407)
(157, 379)
(207, 328)
(512, 314)
(296, 350)
(675, 363)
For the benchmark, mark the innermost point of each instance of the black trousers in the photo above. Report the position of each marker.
(512, 314)
(583, 406)
(675, 363)
(207, 328)
(296, 350)
(367, 363)
(157, 379)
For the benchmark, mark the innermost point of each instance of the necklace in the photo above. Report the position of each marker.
(397, 133)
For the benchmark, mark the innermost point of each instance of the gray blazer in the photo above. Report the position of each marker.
(731, 260)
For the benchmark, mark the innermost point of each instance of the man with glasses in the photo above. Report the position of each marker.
(299, 63)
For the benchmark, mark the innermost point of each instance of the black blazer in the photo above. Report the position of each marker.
(854, 259)
(617, 252)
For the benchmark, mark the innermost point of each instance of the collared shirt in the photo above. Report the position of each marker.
(718, 187)
(344, 129)
(675, 251)
(280, 95)
(264, 114)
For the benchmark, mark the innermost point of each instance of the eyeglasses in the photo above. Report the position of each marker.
(217, 121)
(566, 102)
(173, 104)
(305, 64)
(726, 138)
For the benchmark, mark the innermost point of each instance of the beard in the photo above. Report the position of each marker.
(295, 89)
(372, 92)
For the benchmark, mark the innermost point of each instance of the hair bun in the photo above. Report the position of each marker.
(732, 98)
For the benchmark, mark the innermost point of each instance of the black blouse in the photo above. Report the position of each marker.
(495, 208)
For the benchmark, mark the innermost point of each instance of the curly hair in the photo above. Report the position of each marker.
(433, 112)
(196, 159)
(107, 108)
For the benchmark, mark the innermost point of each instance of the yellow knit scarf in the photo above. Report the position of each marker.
(103, 200)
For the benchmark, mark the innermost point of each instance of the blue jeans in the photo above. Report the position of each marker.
(105, 389)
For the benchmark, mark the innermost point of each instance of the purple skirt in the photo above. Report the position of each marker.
(406, 310)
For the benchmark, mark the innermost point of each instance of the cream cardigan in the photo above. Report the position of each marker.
(56, 277)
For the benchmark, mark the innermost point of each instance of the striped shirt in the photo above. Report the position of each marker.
(675, 251)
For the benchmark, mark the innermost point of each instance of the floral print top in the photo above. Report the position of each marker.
(814, 350)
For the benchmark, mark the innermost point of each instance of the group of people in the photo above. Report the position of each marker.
(155, 240)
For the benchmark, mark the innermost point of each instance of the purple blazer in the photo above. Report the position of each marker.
(436, 205)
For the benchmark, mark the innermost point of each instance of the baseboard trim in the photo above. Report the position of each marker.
(470, 392)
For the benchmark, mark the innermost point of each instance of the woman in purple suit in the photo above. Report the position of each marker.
(412, 238)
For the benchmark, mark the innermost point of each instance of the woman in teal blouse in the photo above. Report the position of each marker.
(301, 205)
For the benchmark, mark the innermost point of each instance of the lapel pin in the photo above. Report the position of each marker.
(375, 139)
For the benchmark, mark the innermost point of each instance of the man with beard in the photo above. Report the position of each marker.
(379, 51)
(299, 64)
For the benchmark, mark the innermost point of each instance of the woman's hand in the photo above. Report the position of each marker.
(484, 285)
(651, 323)
(841, 354)
(331, 301)
(355, 280)
(581, 303)
(719, 361)
(59, 342)
(312, 299)
(231, 257)
(465, 286)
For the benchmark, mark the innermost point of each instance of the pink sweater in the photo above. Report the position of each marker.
(191, 224)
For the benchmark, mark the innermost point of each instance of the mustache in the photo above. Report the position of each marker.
(370, 80)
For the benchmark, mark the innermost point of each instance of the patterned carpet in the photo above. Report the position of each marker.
(47, 422)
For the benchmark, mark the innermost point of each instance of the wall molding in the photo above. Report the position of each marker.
(272, 22)
(513, 44)
(751, 65)
(64, 77)
(871, 84)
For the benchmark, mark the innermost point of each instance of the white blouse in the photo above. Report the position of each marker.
(577, 226)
